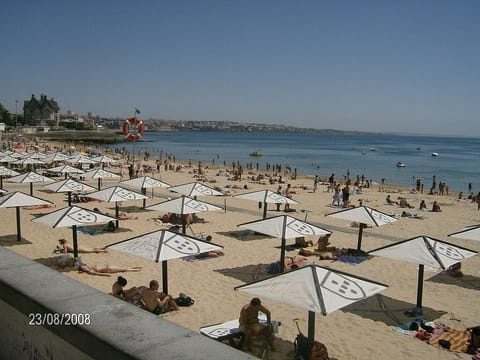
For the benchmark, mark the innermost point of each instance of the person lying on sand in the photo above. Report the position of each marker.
(64, 247)
(103, 271)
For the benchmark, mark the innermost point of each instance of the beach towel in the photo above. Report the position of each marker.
(90, 230)
(352, 260)
(458, 340)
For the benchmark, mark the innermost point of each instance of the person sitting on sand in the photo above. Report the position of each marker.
(250, 325)
(423, 206)
(324, 251)
(119, 291)
(436, 207)
(402, 202)
(157, 302)
(103, 271)
(64, 247)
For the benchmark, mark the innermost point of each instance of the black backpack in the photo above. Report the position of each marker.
(184, 300)
(302, 347)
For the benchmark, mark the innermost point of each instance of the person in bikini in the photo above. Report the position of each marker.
(103, 271)
(64, 247)
(250, 325)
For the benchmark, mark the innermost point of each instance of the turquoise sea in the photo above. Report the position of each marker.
(374, 155)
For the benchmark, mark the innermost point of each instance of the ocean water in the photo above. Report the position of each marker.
(374, 155)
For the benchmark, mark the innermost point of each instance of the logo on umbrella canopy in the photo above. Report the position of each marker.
(301, 227)
(35, 177)
(153, 182)
(126, 194)
(195, 205)
(83, 216)
(277, 198)
(342, 286)
(182, 245)
(448, 251)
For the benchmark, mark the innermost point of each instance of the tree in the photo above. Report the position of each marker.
(5, 116)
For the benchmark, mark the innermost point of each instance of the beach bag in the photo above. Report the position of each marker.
(184, 300)
(302, 347)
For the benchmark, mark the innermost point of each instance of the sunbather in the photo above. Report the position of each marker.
(250, 325)
(103, 271)
(121, 293)
(157, 302)
(64, 247)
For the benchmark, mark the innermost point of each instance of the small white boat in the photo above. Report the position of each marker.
(434, 154)
(255, 153)
(400, 164)
(364, 152)
(373, 149)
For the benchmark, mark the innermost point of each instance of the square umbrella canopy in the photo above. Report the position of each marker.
(317, 289)
(73, 216)
(424, 250)
(284, 227)
(65, 169)
(183, 205)
(195, 189)
(30, 177)
(69, 186)
(469, 232)
(116, 194)
(17, 200)
(4, 171)
(163, 245)
(266, 197)
(100, 174)
(145, 182)
(364, 215)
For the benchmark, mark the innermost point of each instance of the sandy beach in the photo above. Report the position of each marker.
(361, 331)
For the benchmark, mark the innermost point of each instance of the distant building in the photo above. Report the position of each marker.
(40, 112)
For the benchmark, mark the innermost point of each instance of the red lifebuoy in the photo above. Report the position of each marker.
(140, 129)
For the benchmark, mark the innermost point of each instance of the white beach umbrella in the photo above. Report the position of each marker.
(30, 177)
(163, 245)
(104, 159)
(65, 169)
(469, 233)
(266, 197)
(73, 216)
(55, 157)
(195, 189)
(80, 159)
(183, 205)
(100, 174)
(7, 159)
(28, 161)
(143, 183)
(116, 194)
(284, 227)
(69, 186)
(314, 288)
(17, 200)
(424, 250)
(6, 172)
(364, 215)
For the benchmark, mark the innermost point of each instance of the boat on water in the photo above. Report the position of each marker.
(255, 153)
(401, 164)
(434, 154)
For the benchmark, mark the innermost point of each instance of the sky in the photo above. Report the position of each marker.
(386, 65)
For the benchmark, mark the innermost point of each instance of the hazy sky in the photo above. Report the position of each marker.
(399, 65)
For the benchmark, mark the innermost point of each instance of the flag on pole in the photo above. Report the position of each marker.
(137, 111)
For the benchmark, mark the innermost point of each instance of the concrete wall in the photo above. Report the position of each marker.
(116, 329)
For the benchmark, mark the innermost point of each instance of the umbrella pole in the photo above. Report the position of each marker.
(1, 182)
(117, 222)
(19, 233)
(69, 198)
(360, 233)
(421, 269)
(264, 210)
(75, 242)
(165, 276)
(311, 327)
(31, 189)
(144, 192)
(282, 254)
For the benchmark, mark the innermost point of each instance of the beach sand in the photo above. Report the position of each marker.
(360, 331)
